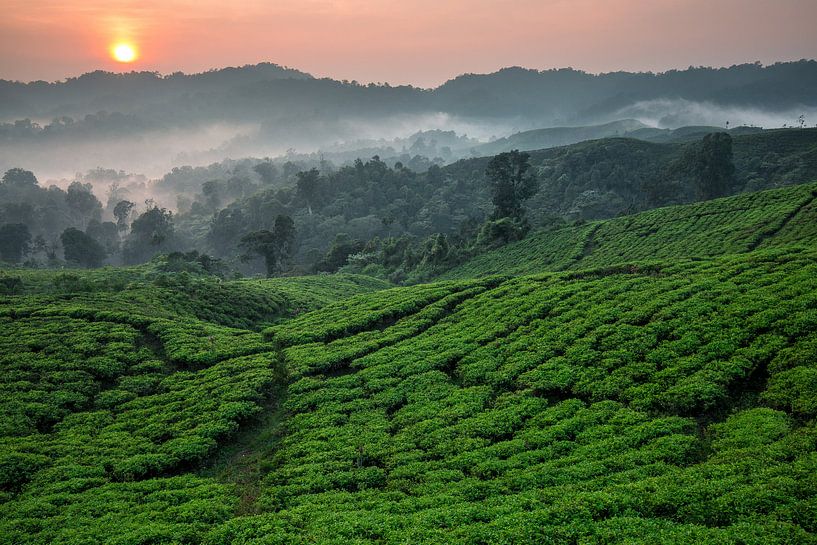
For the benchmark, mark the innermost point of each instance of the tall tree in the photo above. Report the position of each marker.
(308, 187)
(275, 246)
(81, 200)
(81, 248)
(510, 183)
(714, 169)
(266, 171)
(122, 212)
(211, 190)
(15, 241)
(19, 178)
(106, 233)
(151, 233)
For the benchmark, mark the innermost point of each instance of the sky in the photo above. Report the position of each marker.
(420, 42)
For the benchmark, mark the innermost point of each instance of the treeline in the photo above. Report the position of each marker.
(388, 220)
(51, 226)
(276, 94)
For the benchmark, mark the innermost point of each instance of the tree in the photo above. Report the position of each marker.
(150, 233)
(308, 187)
(266, 171)
(510, 183)
(81, 248)
(226, 229)
(106, 233)
(15, 241)
(80, 199)
(713, 168)
(211, 191)
(274, 246)
(19, 178)
(122, 212)
(338, 254)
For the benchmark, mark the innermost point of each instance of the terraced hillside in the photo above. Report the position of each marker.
(111, 394)
(607, 405)
(722, 226)
(639, 396)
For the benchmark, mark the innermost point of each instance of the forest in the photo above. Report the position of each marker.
(400, 223)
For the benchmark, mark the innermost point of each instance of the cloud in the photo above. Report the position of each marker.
(674, 113)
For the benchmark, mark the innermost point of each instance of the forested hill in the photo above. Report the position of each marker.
(147, 123)
(623, 401)
(541, 96)
(390, 216)
(587, 181)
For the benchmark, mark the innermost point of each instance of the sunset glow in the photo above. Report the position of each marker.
(423, 43)
(123, 52)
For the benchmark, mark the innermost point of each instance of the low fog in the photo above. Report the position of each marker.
(149, 154)
(675, 113)
(148, 124)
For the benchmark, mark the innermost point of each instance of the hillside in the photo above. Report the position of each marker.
(661, 391)
(539, 139)
(705, 229)
(558, 136)
(588, 181)
(605, 178)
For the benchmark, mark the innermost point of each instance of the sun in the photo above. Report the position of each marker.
(123, 52)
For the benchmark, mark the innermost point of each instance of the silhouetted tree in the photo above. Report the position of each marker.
(106, 233)
(266, 171)
(274, 246)
(122, 212)
(308, 187)
(82, 201)
(150, 233)
(19, 178)
(226, 229)
(15, 241)
(81, 248)
(713, 167)
(510, 183)
(211, 191)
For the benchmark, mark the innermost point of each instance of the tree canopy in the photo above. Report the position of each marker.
(510, 183)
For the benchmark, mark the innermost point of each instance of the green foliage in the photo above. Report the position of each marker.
(81, 248)
(658, 389)
(558, 408)
(274, 246)
(15, 241)
(110, 394)
(510, 182)
(731, 225)
(151, 233)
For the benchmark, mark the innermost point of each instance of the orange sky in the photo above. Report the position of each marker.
(423, 42)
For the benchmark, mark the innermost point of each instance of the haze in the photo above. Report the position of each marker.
(423, 42)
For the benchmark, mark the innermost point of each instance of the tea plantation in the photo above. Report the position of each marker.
(647, 379)
(704, 229)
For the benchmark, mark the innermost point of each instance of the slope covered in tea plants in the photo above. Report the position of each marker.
(711, 228)
(670, 403)
(112, 393)
(659, 389)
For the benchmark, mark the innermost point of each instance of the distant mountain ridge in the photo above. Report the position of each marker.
(559, 94)
(147, 123)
